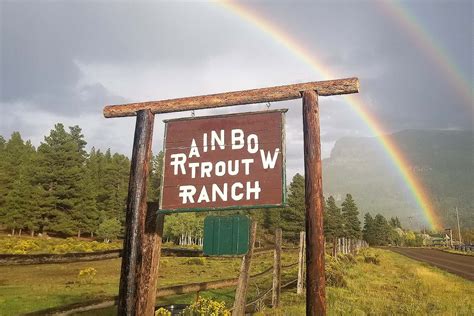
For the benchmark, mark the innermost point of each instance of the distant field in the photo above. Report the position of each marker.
(398, 285)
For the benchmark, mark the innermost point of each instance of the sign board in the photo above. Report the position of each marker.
(226, 235)
(224, 162)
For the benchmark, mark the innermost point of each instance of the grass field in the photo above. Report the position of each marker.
(397, 285)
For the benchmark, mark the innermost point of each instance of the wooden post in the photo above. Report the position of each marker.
(132, 276)
(151, 259)
(315, 279)
(299, 286)
(334, 247)
(242, 285)
(276, 288)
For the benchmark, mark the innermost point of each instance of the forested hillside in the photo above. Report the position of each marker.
(442, 160)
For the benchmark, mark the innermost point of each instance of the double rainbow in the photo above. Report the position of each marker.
(417, 190)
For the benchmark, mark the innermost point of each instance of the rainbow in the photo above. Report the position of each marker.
(425, 43)
(416, 188)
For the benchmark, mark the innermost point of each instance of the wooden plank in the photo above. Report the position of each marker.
(272, 94)
(132, 277)
(300, 283)
(315, 279)
(242, 285)
(276, 285)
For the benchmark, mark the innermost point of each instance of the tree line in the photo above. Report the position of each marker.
(61, 188)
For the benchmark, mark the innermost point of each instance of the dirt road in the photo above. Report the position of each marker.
(454, 263)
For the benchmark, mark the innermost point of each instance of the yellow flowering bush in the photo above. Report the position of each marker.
(86, 276)
(162, 312)
(38, 245)
(206, 307)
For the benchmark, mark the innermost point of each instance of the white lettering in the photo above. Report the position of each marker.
(255, 190)
(247, 163)
(235, 171)
(194, 149)
(220, 168)
(193, 166)
(233, 194)
(204, 142)
(206, 168)
(252, 149)
(186, 192)
(237, 139)
(203, 196)
(217, 191)
(216, 139)
(267, 160)
(178, 160)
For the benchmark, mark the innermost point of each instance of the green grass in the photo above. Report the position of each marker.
(398, 285)
(36, 287)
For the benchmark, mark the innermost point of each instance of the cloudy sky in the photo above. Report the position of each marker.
(63, 61)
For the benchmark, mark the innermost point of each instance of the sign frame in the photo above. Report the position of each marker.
(283, 203)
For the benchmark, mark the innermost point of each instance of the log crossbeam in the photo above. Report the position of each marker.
(262, 95)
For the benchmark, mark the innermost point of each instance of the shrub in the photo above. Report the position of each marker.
(162, 312)
(205, 306)
(370, 257)
(86, 276)
(334, 272)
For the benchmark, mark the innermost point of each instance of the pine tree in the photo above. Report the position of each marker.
(60, 176)
(395, 222)
(154, 180)
(369, 229)
(350, 214)
(333, 227)
(293, 218)
(381, 230)
(15, 195)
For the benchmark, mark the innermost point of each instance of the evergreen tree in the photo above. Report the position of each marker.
(350, 215)
(154, 181)
(382, 230)
(293, 218)
(369, 229)
(61, 178)
(15, 192)
(333, 227)
(109, 229)
(395, 222)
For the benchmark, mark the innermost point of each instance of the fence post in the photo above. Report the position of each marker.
(133, 277)
(276, 288)
(299, 287)
(334, 247)
(242, 285)
(315, 279)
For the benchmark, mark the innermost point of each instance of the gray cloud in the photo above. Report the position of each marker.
(63, 61)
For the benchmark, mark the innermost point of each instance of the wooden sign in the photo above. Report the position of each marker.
(224, 162)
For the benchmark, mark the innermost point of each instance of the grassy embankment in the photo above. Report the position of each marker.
(397, 285)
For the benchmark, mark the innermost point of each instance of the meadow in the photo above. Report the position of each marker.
(392, 285)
